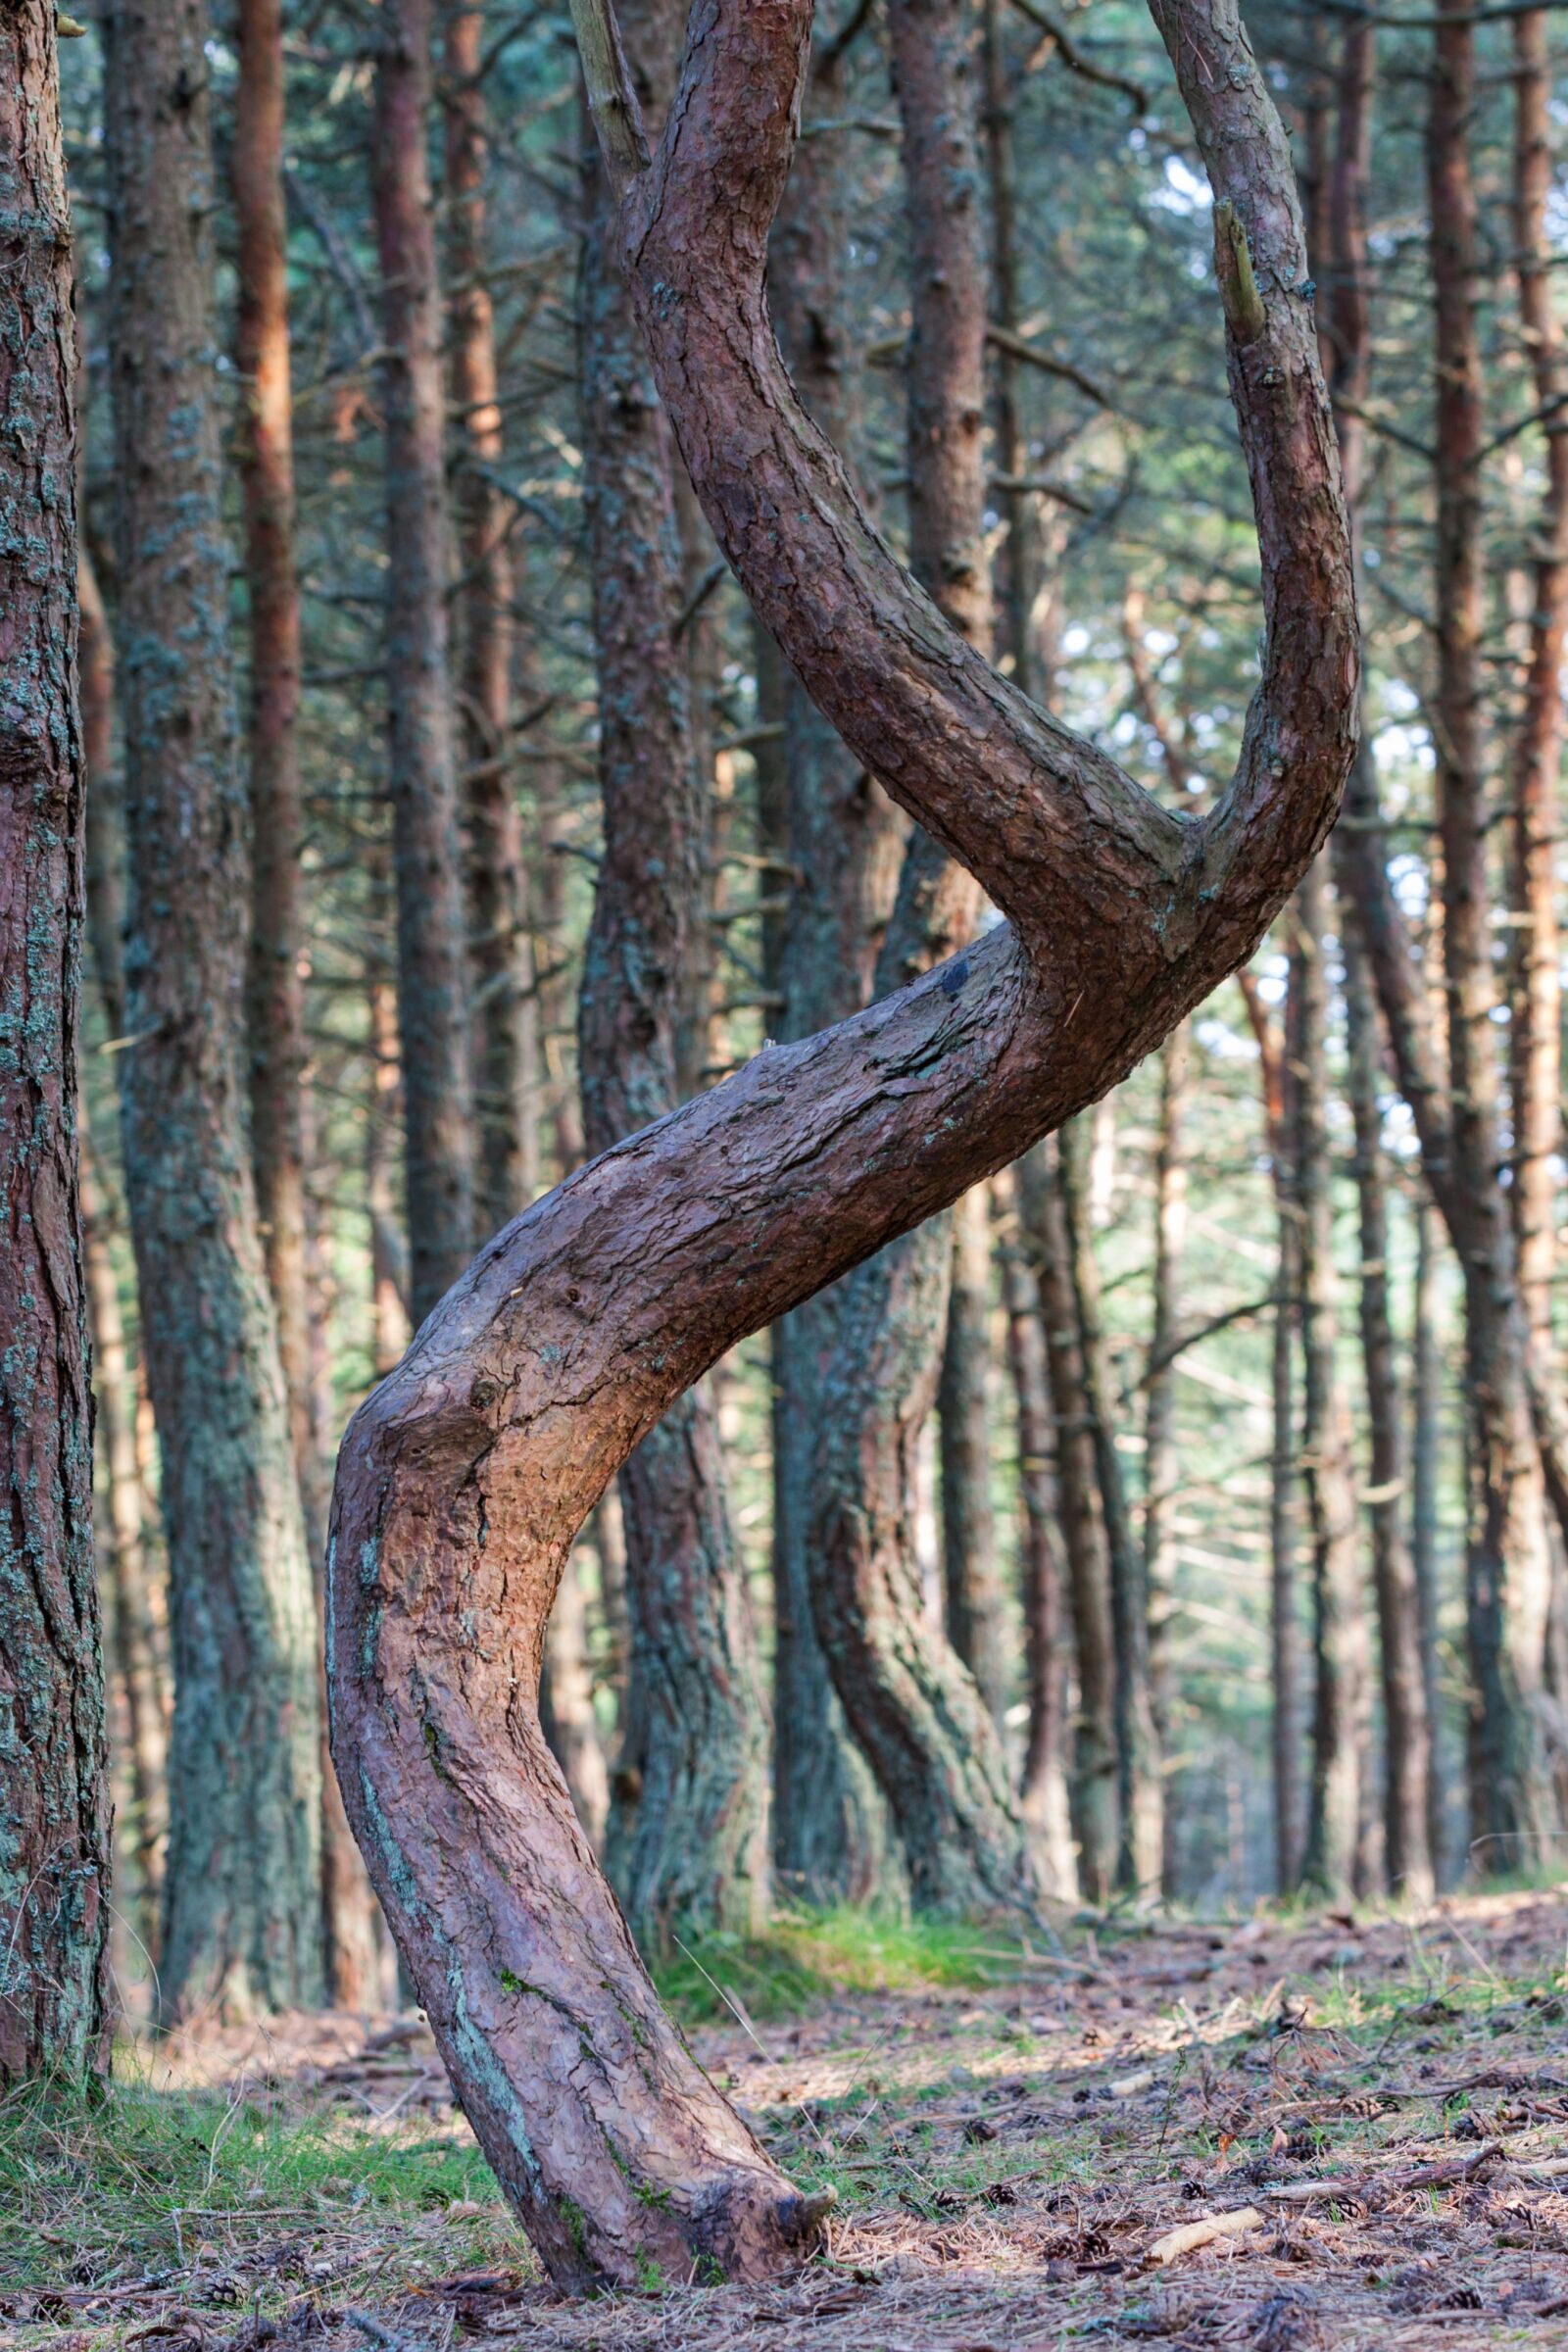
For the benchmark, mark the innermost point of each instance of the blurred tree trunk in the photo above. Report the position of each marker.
(1336, 1862)
(1042, 1799)
(689, 1829)
(1161, 1466)
(1426, 1446)
(1508, 1570)
(840, 845)
(976, 1605)
(504, 1044)
(55, 2014)
(432, 977)
(1095, 1790)
(1139, 1784)
(242, 1912)
(277, 974)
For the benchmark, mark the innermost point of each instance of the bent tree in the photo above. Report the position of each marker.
(465, 1476)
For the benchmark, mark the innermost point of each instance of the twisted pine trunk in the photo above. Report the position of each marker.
(465, 1476)
(54, 1788)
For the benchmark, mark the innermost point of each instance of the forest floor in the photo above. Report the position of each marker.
(1374, 2112)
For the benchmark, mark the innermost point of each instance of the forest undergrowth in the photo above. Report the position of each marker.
(1281, 2133)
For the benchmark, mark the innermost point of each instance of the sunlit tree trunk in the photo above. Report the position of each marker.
(242, 1910)
(433, 980)
(53, 1786)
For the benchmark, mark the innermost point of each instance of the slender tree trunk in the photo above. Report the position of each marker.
(468, 1474)
(54, 1785)
(1043, 1801)
(689, 1834)
(1426, 1446)
(1161, 1461)
(1336, 1862)
(505, 1044)
(976, 1606)
(432, 983)
(1536, 1027)
(389, 1317)
(106, 823)
(242, 1914)
(1140, 1785)
(841, 847)
(1285, 1633)
(275, 981)
(1508, 1568)
(1095, 1785)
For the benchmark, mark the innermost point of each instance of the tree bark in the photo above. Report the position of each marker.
(976, 1605)
(689, 1837)
(1336, 1862)
(242, 1915)
(1161, 1462)
(1508, 1566)
(505, 1042)
(467, 1474)
(1042, 1793)
(54, 1788)
(1095, 1790)
(433, 978)
(1426, 1432)
(841, 846)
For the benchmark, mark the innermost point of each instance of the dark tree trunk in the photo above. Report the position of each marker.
(1093, 1792)
(54, 1784)
(1285, 1633)
(841, 847)
(976, 1605)
(1139, 1784)
(432, 984)
(1508, 1565)
(1161, 1461)
(505, 1042)
(242, 1912)
(1043, 1797)
(466, 1475)
(1335, 1863)
(689, 1829)
(1426, 1446)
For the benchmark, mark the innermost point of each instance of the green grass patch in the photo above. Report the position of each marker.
(804, 1957)
(152, 2182)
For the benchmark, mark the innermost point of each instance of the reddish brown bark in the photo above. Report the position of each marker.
(54, 1791)
(500, 958)
(465, 1476)
(432, 987)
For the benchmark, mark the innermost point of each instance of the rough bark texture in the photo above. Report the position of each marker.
(976, 1605)
(467, 1474)
(432, 984)
(500, 961)
(841, 846)
(1335, 1863)
(689, 1830)
(242, 1917)
(54, 1788)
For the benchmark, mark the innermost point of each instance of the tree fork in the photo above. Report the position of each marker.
(465, 1476)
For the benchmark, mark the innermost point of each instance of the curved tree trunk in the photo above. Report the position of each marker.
(689, 1827)
(54, 1785)
(465, 1476)
(242, 1915)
